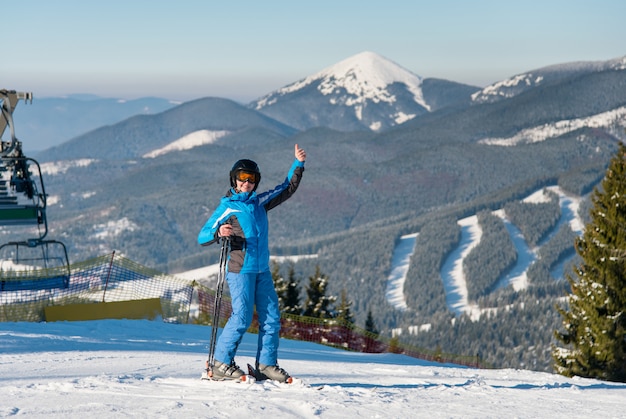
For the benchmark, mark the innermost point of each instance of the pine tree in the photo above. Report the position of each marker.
(595, 319)
(287, 290)
(369, 323)
(317, 304)
(343, 311)
(292, 294)
(280, 285)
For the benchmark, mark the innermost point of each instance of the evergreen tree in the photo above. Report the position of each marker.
(292, 294)
(343, 311)
(369, 323)
(595, 319)
(287, 290)
(280, 285)
(317, 304)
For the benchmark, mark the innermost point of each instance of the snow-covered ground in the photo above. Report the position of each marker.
(132, 368)
(144, 369)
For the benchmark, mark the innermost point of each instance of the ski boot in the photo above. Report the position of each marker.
(222, 371)
(272, 372)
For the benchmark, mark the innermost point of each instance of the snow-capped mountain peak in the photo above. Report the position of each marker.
(379, 93)
(366, 77)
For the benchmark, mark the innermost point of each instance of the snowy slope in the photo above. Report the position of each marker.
(122, 368)
(400, 267)
(611, 121)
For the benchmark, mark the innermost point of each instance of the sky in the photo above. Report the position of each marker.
(152, 369)
(244, 49)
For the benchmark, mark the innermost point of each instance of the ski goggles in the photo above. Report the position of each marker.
(246, 177)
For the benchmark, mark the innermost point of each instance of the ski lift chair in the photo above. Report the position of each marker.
(34, 263)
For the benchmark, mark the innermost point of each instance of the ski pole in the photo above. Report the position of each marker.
(221, 277)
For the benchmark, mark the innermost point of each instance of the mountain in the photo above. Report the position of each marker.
(47, 122)
(544, 76)
(143, 134)
(363, 92)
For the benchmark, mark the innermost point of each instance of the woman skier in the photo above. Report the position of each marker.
(242, 216)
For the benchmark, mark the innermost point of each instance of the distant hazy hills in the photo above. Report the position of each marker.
(140, 134)
(363, 92)
(50, 121)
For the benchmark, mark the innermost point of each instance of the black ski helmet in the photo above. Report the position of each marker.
(246, 166)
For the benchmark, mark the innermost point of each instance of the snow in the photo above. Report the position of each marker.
(209, 271)
(506, 88)
(400, 262)
(140, 368)
(611, 121)
(517, 276)
(296, 258)
(189, 141)
(114, 228)
(62, 166)
(454, 281)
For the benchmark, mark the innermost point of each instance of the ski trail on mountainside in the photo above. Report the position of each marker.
(452, 270)
(400, 266)
(452, 274)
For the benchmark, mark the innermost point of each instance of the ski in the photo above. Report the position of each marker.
(254, 376)
(246, 379)
(291, 381)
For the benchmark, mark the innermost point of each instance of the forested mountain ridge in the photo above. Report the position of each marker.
(544, 76)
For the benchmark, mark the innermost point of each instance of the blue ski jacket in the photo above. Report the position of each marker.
(247, 213)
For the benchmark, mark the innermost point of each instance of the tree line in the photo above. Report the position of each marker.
(317, 303)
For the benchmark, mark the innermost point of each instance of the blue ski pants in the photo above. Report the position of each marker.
(246, 291)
